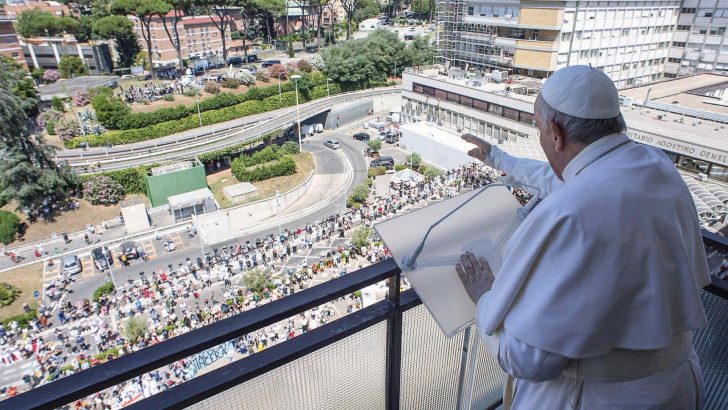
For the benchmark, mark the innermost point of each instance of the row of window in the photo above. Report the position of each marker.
(493, 11)
(480, 105)
(618, 15)
(706, 12)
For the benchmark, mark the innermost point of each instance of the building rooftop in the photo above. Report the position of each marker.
(689, 92)
(167, 168)
(65, 88)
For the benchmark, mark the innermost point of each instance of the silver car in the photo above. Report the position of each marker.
(333, 144)
(70, 265)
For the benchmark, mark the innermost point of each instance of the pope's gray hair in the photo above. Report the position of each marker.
(581, 130)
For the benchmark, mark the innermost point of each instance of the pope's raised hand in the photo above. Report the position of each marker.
(483, 148)
(475, 274)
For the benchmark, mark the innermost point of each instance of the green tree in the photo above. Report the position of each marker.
(318, 6)
(57, 104)
(135, 327)
(375, 144)
(36, 22)
(350, 7)
(14, 78)
(221, 16)
(9, 225)
(366, 10)
(121, 31)
(72, 66)
(414, 160)
(291, 53)
(359, 194)
(145, 11)
(256, 280)
(30, 177)
(179, 9)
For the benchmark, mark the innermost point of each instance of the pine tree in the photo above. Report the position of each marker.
(29, 174)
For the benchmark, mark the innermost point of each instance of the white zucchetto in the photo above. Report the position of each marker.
(582, 91)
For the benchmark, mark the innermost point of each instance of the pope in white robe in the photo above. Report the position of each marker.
(598, 292)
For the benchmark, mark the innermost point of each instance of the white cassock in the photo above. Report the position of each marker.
(598, 292)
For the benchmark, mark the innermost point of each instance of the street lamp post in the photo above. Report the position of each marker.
(280, 99)
(108, 266)
(197, 101)
(328, 93)
(395, 69)
(295, 78)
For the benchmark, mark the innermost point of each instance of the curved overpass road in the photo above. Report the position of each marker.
(193, 142)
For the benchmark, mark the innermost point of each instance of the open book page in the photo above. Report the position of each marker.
(483, 226)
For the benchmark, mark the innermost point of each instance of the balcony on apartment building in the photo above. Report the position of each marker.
(388, 355)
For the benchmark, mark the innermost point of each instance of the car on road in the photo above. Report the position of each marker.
(102, 258)
(385, 161)
(412, 29)
(252, 58)
(391, 137)
(409, 36)
(269, 63)
(129, 249)
(362, 136)
(235, 61)
(70, 265)
(332, 143)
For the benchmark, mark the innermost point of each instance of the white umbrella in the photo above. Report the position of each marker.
(407, 175)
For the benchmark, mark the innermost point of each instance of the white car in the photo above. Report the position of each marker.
(71, 265)
(333, 144)
(411, 29)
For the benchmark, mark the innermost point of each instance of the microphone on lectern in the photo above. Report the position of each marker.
(409, 262)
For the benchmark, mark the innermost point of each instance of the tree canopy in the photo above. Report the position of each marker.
(121, 31)
(36, 22)
(14, 78)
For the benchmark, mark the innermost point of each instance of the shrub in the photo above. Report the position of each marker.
(256, 280)
(212, 87)
(230, 83)
(22, 319)
(37, 74)
(8, 293)
(267, 154)
(414, 159)
(360, 238)
(57, 104)
(110, 111)
(47, 116)
(291, 53)
(431, 172)
(190, 92)
(168, 97)
(292, 66)
(277, 70)
(375, 144)
(50, 127)
(102, 190)
(229, 151)
(80, 98)
(67, 129)
(317, 62)
(146, 119)
(284, 166)
(359, 194)
(51, 76)
(135, 327)
(261, 75)
(290, 147)
(304, 66)
(9, 226)
(72, 66)
(399, 167)
(106, 289)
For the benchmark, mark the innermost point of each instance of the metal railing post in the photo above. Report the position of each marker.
(394, 346)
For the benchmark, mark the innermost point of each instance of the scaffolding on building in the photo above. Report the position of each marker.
(465, 44)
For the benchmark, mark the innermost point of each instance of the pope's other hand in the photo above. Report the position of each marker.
(475, 274)
(483, 148)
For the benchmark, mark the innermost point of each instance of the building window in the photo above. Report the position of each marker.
(495, 109)
(687, 11)
(510, 113)
(417, 88)
(453, 97)
(471, 10)
(440, 94)
(526, 118)
(683, 28)
(480, 105)
(673, 60)
(678, 44)
(466, 101)
(708, 13)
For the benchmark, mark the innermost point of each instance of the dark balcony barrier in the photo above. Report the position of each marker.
(389, 355)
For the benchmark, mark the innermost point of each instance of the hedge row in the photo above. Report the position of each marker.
(171, 127)
(229, 151)
(132, 179)
(22, 319)
(123, 119)
(284, 166)
(267, 154)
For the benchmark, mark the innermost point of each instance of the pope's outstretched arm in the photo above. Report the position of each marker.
(521, 170)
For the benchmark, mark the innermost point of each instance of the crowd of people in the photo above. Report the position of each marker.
(150, 91)
(176, 300)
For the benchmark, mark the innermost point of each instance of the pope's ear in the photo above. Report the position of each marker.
(558, 135)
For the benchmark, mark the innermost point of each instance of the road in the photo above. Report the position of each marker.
(192, 142)
(328, 162)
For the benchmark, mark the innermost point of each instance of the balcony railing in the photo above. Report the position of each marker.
(389, 355)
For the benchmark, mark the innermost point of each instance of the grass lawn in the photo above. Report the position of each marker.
(267, 188)
(70, 221)
(28, 279)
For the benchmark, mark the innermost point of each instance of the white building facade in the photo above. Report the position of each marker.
(700, 43)
(629, 40)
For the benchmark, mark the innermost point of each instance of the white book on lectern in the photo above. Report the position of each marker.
(483, 226)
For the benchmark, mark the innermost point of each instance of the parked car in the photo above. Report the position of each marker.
(332, 143)
(383, 161)
(409, 36)
(252, 58)
(102, 258)
(362, 136)
(411, 29)
(391, 137)
(307, 130)
(70, 265)
(129, 249)
(269, 63)
(252, 68)
(318, 127)
(235, 61)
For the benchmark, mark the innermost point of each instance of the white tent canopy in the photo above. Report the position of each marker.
(407, 175)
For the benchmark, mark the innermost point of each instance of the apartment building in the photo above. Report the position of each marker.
(9, 44)
(198, 37)
(630, 41)
(14, 8)
(700, 42)
(46, 53)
